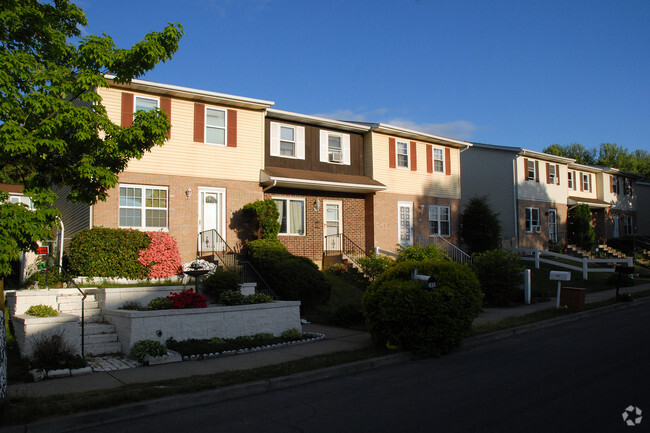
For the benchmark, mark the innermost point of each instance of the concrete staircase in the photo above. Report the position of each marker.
(99, 338)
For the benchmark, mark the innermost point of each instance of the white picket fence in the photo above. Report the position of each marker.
(540, 256)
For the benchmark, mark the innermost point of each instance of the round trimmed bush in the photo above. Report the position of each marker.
(218, 282)
(144, 348)
(42, 311)
(428, 322)
(500, 273)
(161, 303)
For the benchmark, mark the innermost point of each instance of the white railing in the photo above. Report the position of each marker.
(451, 250)
(537, 255)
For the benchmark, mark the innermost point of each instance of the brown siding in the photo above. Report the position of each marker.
(127, 109)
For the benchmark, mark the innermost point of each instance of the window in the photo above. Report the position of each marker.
(439, 220)
(438, 161)
(585, 182)
(287, 141)
(530, 168)
(570, 180)
(215, 126)
(628, 227)
(292, 216)
(334, 149)
(552, 175)
(145, 104)
(143, 207)
(615, 184)
(627, 186)
(21, 199)
(402, 154)
(532, 220)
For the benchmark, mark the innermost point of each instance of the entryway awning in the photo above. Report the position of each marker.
(593, 203)
(305, 179)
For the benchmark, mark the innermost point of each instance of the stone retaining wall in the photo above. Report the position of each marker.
(29, 329)
(204, 323)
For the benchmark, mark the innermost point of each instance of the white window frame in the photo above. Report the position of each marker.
(288, 200)
(21, 199)
(532, 222)
(325, 148)
(409, 205)
(406, 154)
(552, 175)
(276, 139)
(441, 160)
(570, 179)
(585, 182)
(615, 187)
(143, 207)
(435, 220)
(215, 127)
(528, 171)
(135, 101)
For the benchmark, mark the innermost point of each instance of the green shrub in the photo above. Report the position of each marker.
(411, 253)
(348, 315)
(221, 280)
(374, 266)
(42, 311)
(160, 303)
(500, 273)
(293, 278)
(261, 219)
(144, 348)
(292, 334)
(258, 298)
(49, 277)
(429, 322)
(232, 297)
(480, 226)
(53, 352)
(580, 230)
(135, 306)
(103, 252)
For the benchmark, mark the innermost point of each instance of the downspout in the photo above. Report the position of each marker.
(266, 188)
(61, 244)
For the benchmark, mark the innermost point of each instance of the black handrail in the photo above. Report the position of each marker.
(233, 261)
(341, 244)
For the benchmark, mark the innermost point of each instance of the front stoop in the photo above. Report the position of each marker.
(99, 338)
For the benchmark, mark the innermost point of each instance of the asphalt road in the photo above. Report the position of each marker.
(576, 377)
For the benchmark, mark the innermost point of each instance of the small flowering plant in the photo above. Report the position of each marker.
(188, 299)
(161, 257)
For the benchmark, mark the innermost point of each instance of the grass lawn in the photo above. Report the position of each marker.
(344, 306)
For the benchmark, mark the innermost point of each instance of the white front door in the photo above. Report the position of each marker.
(212, 218)
(332, 224)
(615, 221)
(552, 225)
(405, 222)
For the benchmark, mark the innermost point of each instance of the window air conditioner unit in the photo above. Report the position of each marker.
(537, 229)
(336, 157)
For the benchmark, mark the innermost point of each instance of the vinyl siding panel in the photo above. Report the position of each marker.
(489, 172)
(401, 180)
(541, 191)
(181, 156)
(75, 216)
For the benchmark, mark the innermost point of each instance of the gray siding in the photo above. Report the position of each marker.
(489, 172)
(642, 208)
(76, 216)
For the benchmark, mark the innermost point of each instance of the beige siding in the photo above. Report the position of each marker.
(541, 191)
(181, 156)
(619, 201)
(406, 181)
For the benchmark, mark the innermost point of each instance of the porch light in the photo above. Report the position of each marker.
(188, 193)
(317, 205)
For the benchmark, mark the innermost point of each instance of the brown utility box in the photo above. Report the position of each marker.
(573, 298)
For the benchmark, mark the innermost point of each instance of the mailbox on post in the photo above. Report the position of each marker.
(559, 276)
(428, 281)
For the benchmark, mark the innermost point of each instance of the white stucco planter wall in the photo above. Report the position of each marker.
(29, 329)
(204, 323)
(115, 297)
(19, 301)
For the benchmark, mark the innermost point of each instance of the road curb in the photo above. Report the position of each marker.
(532, 327)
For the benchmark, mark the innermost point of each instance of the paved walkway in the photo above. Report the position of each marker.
(112, 372)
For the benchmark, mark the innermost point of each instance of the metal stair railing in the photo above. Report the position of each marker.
(452, 251)
(341, 244)
(211, 242)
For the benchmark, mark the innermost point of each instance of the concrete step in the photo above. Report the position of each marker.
(102, 348)
(100, 338)
(99, 328)
(88, 312)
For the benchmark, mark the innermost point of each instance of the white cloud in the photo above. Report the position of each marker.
(458, 129)
(369, 116)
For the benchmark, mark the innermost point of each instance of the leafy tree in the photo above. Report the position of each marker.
(261, 220)
(576, 151)
(581, 232)
(480, 226)
(54, 130)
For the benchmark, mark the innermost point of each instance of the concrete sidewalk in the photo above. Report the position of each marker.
(336, 340)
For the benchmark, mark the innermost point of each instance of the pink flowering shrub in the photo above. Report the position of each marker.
(161, 257)
(188, 299)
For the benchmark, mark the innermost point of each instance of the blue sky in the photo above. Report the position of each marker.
(513, 73)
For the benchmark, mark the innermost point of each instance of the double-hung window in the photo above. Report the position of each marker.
(628, 227)
(292, 215)
(552, 175)
(570, 182)
(532, 220)
(215, 126)
(530, 169)
(615, 184)
(439, 220)
(143, 207)
(402, 154)
(627, 186)
(438, 161)
(585, 182)
(287, 141)
(334, 148)
(142, 103)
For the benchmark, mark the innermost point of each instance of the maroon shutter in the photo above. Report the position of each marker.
(199, 122)
(548, 172)
(590, 183)
(536, 171)
(526, 169)
(611, 184)
(447, 161)
(232, 128)
(429, 159)
(414, 157)
(166, 106)
(582, 185)
(127, 109)
(391, 153)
